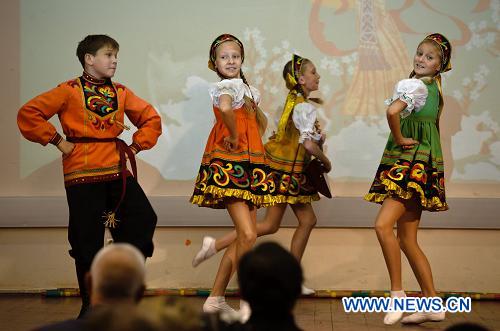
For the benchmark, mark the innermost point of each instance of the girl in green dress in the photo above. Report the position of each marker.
(410, 177)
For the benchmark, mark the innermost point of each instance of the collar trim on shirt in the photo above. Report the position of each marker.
(92, 79)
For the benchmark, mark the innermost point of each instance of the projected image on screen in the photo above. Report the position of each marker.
(361, 50)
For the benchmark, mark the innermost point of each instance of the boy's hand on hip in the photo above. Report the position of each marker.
(66, 147)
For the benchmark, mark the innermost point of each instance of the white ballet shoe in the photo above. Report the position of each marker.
(245, 311)
(422, 317)
(206, 251)
(393, 317)
(307, 290)
(217, 304)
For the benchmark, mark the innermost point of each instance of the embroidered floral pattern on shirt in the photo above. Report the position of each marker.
(101, 101)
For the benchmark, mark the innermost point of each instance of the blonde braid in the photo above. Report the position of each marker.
(261, 117)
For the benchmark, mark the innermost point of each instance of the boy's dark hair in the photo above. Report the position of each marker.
(270, 279)
(92, 43)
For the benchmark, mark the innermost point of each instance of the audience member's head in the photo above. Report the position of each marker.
(117, 274)
(270, 279)
(466, 326)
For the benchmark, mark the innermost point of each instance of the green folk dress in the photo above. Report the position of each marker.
(404, 173)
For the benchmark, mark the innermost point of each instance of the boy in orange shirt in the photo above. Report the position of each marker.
(99, 188)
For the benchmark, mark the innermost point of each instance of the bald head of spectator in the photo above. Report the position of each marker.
(117, 275)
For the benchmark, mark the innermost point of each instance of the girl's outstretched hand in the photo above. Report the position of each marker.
(231, 143)
(407, 143)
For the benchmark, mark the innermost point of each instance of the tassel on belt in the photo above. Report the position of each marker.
(110, 219)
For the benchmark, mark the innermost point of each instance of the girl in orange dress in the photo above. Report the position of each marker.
(233, 172)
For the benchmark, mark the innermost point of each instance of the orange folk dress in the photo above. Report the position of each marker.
(242, 173)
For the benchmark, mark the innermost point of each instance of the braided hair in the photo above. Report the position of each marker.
(259, 114)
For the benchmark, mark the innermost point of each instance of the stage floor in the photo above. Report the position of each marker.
(24, 312)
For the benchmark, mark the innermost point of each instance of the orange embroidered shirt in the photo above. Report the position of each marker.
(90, 107)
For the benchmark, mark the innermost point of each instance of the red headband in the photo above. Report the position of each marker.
(217, 42)
(445, 46)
